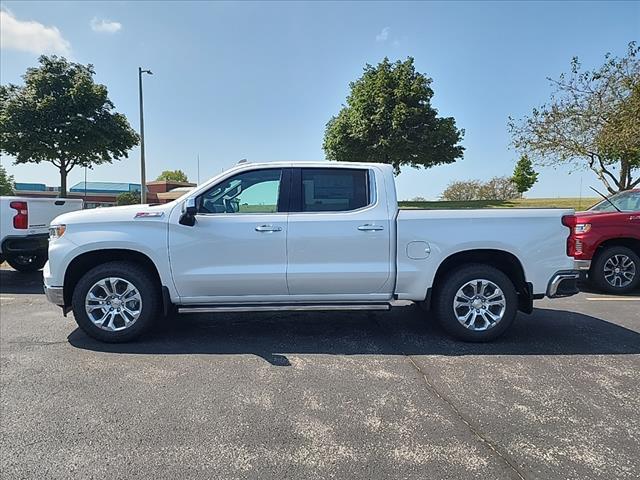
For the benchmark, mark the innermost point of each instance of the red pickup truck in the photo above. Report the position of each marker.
(605, 242)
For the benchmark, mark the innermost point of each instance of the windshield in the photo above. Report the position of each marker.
(628, 201)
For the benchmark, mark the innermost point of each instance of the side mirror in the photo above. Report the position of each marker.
(189, 210)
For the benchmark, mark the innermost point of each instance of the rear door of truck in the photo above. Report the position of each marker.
(338, 241)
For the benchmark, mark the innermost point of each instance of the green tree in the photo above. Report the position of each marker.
(524, 176)
(389, 119)
(7, 185)
(128, 198)
(61, 116)
(173, 176)
(592, 121)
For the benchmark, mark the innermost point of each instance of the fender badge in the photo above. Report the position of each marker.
(149, 215)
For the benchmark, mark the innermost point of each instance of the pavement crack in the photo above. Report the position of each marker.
(476, 432)
(494, 447)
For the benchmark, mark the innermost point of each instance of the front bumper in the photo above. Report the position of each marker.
(55, 295)
(582, 265)
(563, 284)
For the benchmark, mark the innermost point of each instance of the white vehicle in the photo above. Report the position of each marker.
(304, 236)
(24, 229)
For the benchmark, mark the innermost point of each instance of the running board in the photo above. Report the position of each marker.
(283, 308)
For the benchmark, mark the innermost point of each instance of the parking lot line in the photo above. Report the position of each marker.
(614, 299)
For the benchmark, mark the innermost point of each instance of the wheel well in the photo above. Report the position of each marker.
(503, 261)
(85, 262)
(632, 243)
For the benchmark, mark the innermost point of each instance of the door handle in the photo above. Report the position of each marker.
(370, 227)
(268, 228)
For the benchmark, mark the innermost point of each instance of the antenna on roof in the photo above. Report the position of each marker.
(244, 160)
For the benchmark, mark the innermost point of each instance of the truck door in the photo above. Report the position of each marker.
(338, 243)
(237, 248)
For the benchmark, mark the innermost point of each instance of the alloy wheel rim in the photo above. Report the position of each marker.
(619, 271)
(479, 305)
(113, 304)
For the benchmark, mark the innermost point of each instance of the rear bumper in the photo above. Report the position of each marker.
(563, 284)
(25, 245)
(55, 295)
(582, 265)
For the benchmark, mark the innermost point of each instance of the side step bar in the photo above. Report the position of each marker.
(283, 308)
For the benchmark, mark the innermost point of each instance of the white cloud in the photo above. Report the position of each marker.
(105, 26)
(383, 35)
(30, 36)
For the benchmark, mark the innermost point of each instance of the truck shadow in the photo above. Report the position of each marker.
(20, 283)
(402, 331)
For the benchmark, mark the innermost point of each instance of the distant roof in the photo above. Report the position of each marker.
(32, 187)
(105, 187)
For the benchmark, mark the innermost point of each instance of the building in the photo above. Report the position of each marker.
(104, 194)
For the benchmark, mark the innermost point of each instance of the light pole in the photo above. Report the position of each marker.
(143, 175)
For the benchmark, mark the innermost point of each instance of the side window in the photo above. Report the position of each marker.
(248, 192)
(334, 189)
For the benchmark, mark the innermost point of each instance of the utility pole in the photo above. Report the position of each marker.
(143, 173)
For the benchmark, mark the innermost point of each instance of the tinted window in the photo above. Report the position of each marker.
(249, 192)
(334, 189)
(628, 201)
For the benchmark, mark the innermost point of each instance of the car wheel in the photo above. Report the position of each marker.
(27, 263)
(115, 302)
(476, 303)
(616, 270)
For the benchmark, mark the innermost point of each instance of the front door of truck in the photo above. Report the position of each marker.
(237, 247)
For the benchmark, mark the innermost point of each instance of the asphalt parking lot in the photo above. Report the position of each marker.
(324, 395)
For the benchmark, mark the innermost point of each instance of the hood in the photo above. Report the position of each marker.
(604, 216)
(115, 214)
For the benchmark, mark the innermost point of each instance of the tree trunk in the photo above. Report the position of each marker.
(63, 183)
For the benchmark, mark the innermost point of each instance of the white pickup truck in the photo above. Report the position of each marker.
(304, 236)
(24, 229)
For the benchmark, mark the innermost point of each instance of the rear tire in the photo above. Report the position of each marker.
(476, 303)
(27, 263)
(116, 302)
(603, 271)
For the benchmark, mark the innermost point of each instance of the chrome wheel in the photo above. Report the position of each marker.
(619, 271)
(479, 305)
(113, 304)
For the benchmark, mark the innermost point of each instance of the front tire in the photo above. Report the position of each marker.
(27, 263)
(116, 302)
(476, 303)
(616, 270)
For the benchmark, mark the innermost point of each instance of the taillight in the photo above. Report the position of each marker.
(21, 218)
(570, 221)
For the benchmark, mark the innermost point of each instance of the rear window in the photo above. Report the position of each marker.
(334, 189)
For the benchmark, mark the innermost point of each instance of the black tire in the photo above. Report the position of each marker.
(597, 271)
(131, 272)
(27, 263)
(446, 293)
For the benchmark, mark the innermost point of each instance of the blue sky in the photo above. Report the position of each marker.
(260, 80)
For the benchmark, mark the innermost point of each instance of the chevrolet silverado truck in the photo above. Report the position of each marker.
(607, 243)
(24, 229)
(304, 236)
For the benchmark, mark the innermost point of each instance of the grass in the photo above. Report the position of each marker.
(575, 203)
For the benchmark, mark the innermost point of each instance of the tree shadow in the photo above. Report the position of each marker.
(21, 283)
(402, 331)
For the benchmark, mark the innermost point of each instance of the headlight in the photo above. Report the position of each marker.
(56, 231)
(582, 228)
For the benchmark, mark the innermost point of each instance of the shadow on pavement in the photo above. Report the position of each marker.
(404, 330)
(20, 283)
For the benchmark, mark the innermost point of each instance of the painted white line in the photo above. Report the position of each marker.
(7, 298)
(614, 299)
